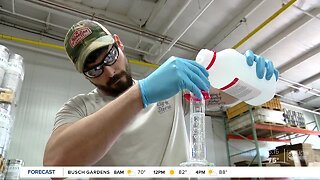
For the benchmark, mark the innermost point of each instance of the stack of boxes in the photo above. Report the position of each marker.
(241, 108)
(239, 116)
(270, 112)
(300, 154)
(294, 118)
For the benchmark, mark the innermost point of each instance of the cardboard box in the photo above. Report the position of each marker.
(316, 153)
(243, 107)
(296, 155)
(300, 146)
(260, 116)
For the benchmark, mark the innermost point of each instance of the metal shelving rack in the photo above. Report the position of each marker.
(274, 130)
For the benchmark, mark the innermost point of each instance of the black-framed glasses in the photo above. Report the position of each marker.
(110, 58)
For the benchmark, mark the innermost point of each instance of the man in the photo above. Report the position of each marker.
(125, 122)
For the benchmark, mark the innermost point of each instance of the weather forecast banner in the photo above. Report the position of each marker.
(167, 172)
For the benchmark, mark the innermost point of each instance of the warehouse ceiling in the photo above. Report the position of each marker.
(287, 32)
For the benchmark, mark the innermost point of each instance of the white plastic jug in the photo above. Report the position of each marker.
(229, 72)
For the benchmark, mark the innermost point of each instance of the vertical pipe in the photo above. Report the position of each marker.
(13, 10)
(316, 121)
(254, 133)
(226, 131)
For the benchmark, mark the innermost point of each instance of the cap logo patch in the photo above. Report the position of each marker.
(79, 35)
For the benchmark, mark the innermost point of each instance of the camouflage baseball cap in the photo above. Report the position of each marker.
(83, 38)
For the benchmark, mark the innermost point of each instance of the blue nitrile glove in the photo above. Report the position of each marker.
(174, 75)
(261, 65)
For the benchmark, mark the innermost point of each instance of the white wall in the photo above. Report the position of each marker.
(216, 142)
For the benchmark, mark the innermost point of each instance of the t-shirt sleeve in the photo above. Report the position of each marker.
(70, 112)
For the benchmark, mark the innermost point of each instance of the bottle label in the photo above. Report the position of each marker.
(241, 90)
(3, 60)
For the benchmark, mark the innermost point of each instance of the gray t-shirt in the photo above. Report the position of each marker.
(156, 137)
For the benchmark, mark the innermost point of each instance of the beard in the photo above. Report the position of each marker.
(116, 86)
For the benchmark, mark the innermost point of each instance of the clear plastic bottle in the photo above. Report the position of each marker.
(229, 72)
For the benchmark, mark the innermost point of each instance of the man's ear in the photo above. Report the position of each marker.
(118, 41)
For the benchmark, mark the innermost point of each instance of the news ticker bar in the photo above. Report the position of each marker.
(168, 172)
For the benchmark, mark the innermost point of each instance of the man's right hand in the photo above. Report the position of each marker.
(174, 75)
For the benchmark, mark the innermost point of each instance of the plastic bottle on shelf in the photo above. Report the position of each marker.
(229, 72)
(14, 74)
(4, 57)
(5, 127)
